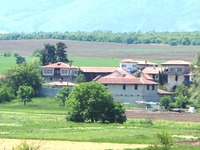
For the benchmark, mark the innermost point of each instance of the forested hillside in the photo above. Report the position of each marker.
(169, 38)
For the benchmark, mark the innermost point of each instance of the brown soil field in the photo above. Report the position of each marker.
(174, 116)
(9, 144)
(101, 49)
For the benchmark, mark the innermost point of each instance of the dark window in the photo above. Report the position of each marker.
(147, 87)
(154, 76)
(153, 87)
(176, 77)
(136, 87)
(124, 87)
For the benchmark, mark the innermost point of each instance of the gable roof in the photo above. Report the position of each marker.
(59, 65)
(151, 70)
(176, 62)
(98, 69)
(120, 76)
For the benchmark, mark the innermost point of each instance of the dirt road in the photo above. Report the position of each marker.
(9, 144)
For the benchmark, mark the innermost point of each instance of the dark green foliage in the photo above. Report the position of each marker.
(27, 74)
(7, 54)
(182, 96)
(25, 93)
(170, 38)
(63, 94)
(195, 88)
(61, 52)
(80, 78)
(52, 54)
(91, 102)
(165, 101)
(162, 78)
(20, 60)
(6, 94)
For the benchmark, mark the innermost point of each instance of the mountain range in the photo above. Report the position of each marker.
(27, 16)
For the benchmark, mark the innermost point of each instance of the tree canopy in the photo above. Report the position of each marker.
(170, 38)
(63, 94)
(52, 54)
(25, 93)
(195, 88)
(91, 102)
(25, 74)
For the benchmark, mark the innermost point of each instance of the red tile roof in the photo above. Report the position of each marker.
(176, 62)
(151, 70)
(120, 76)
(162, 92)
(59, 65)
(98, 69)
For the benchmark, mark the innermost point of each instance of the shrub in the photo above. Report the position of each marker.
(7, 54)
(26, 146)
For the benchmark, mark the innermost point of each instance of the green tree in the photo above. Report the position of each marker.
(52, 54)
(20, 60)
(61, 52)
(63, 94)
(25, 93)
(6, 94)
(80, 78)
(165, 101)
(182, 96)
(24, 74)
(195, 88)
(91, 102)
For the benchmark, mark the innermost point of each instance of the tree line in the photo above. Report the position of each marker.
(170, 38)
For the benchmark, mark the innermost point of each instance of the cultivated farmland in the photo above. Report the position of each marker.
(109, 50)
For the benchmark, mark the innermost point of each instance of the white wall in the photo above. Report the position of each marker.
(131, 95)
(129, 67)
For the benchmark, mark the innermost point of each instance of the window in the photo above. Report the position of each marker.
(176, 77)
(48, 72)
(124, 87)
(75, 72)
(153, 87)
(136, 87)
(179, 69)
(147, 87)
(123, 65)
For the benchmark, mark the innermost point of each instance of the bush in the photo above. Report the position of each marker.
(7, 54)
(15, 54)
(26, 146)
(6, 94)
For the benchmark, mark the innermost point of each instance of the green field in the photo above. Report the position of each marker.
(7, 62)
(44, 118)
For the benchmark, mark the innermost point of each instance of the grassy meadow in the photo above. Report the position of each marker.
(44, 118)
(7, 62)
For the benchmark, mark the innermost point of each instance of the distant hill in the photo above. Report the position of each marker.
(106, 15)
